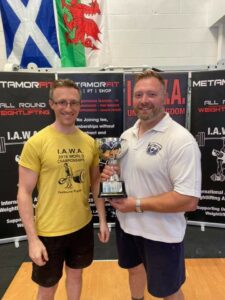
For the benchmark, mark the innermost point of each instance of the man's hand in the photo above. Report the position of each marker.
(104, 233)
(38, 252)
(108, 171)
(124, 204)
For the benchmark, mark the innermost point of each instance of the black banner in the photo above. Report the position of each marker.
(208, 126)
(176, 101)
(101, 112)
(23, 111)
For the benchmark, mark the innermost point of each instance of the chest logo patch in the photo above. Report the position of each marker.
(153, 148)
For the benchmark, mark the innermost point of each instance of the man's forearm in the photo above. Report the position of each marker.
(100, 205)
(169, 202)
(26, 212)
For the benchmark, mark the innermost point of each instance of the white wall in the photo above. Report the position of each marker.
(157, 33)
(217, 12)
(161, 33)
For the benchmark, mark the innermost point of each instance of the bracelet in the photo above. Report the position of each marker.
(138, 206)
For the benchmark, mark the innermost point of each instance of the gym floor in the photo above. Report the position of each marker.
(209, 243)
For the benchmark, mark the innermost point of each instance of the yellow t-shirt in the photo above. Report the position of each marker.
(63, 163)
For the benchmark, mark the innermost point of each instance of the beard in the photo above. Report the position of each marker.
(153, 115)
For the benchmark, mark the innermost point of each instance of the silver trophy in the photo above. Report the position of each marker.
(111, 149)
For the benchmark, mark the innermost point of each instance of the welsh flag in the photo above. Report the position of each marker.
(82, 33)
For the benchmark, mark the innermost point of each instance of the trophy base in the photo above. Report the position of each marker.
(112, 189)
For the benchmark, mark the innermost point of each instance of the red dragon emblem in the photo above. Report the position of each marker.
(79, 27)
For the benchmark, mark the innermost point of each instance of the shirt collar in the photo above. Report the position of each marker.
(161, 126)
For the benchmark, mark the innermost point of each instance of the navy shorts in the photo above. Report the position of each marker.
(75, 249)
(164, 262)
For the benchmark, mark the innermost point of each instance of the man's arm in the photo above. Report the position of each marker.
(169, 202)
(166, 202)
(27, 183)
(100, 204)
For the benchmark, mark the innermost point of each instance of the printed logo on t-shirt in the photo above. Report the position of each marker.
(71, 162)
(70, 176)
(153, 148)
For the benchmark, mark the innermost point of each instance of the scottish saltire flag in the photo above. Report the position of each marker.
(82, 33)
(30, 32)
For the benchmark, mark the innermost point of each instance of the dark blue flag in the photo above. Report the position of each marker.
(30, 32)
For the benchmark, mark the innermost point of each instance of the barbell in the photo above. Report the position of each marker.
(201, 138)
(3, 144)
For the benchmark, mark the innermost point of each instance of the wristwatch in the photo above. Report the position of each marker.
(138, 206)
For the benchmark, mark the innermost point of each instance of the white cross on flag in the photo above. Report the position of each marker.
(30, 32)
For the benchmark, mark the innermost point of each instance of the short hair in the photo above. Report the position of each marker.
(63, 83)
(150, 74)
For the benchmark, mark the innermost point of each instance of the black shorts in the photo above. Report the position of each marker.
(164, 262)
(75, 249)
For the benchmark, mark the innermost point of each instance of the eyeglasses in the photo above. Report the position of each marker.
(65, 103)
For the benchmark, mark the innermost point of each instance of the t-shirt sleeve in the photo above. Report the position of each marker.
(29, 157)
(185, 169)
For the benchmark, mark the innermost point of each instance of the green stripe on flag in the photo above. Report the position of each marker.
(72, 55)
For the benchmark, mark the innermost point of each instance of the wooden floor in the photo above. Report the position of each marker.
(104, 280)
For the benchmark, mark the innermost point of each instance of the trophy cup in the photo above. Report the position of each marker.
(110, 150)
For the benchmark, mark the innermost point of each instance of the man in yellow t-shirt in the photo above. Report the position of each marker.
(62, 162)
